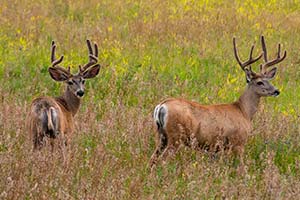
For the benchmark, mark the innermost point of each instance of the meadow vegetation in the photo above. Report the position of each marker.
(149, 50)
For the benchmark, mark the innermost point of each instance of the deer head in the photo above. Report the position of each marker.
(259, 82)
(75, 82)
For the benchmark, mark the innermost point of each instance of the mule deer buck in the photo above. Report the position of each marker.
(50, 117)
(207, 126)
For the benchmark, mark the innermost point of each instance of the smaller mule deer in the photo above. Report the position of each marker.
(50, 117)
(211, 126)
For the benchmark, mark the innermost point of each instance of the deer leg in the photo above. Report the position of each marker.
(238, 151)
(162, 144)
(38, 138)
(35, 138)
(63, 146)
(35, 141)
(170, 151)
(52, 143)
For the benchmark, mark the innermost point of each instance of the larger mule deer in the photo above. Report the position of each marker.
(182, 121)
(50, 117)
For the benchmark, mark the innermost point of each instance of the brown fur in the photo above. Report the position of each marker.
(205, 126)
(207, 123)
(53, 117)
(65, 116)
(213, 127)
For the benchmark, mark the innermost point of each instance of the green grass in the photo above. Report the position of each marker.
(149, 50)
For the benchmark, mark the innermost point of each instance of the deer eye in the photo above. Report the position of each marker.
(70, 82)
(260, 83)
(83, 81)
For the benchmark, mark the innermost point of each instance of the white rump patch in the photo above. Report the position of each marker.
(160, 115)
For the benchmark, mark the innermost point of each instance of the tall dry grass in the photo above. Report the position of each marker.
(150, 50)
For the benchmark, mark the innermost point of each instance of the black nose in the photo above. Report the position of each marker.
(80, 93)
(276, 93)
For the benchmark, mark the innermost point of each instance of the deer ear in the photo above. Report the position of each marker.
(57, 74)
(270, 74)
(92, 72)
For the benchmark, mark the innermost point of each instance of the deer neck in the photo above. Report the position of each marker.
(70, 101)
(248, 102)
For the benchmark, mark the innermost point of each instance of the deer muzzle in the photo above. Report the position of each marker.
(276, 93)
(80, 93)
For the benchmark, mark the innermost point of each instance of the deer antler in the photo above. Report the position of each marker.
(264, 67)
(55, 62)
(93, 57)
(249, 61)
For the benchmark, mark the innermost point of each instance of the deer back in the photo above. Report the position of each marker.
(206, 123)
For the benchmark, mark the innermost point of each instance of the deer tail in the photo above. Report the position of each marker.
(49, 120)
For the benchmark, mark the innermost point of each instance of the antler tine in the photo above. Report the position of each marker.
(53, 47)
(249, 61)
(264, 48)
(54, 61)
(88, 42)
(93, 56)
(276, 60)
(236, 53)
(267, 63)
(96, 50)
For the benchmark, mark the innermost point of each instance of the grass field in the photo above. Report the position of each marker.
(149, 50)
